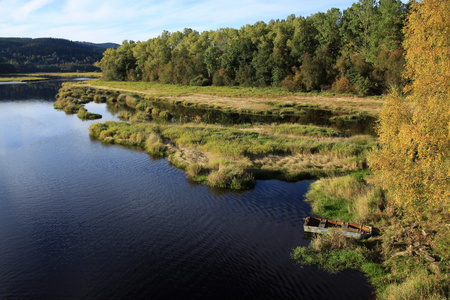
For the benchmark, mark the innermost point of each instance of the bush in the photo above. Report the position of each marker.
(131, 101)
(200, 80)
(99, 99)
(85, 115)
(343, 86)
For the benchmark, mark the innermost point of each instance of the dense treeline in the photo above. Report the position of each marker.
(48, 55)
(358, 50)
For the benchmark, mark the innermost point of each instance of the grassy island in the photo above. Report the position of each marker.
(222, 156)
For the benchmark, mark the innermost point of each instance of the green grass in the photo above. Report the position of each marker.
(311, 130)
(234, 91)
(83, 114)
(170, 90)
(395, 272)
(268, 100)
(339, 154)
(66, 74)
(21, 79)
(233, 145)
(28, 77)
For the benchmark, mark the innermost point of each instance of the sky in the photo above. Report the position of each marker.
(101, 21)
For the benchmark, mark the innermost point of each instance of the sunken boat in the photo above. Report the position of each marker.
(353, 230)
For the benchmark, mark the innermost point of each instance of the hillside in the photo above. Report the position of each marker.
(49, 55)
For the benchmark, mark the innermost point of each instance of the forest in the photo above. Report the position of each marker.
(358, 50)
(26, 55)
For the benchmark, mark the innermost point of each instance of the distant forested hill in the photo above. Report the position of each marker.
(49, 55)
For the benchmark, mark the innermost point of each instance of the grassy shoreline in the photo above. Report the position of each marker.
(397, 260)
(245, 100)
(223, 156)
(22, 79)
(403, 260)
(31, 77)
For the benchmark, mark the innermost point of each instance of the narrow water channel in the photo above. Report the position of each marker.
(80, 219)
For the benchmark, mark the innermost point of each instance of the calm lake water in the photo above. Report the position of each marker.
(80, 219)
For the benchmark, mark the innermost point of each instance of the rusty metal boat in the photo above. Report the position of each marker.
(353, 230)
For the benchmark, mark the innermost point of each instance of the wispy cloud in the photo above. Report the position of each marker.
(23, 11)
(117, 20)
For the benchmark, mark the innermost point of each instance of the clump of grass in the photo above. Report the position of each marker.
(309, 130)
(139, 117)
(334, 252)
(346, 198)
(417, 286)
(235, 175)
(124, 115)
(154, 145)
(83, 114)
(99, 98)
(194, 170)
(131, 101)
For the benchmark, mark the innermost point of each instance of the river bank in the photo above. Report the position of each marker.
(229, 155)
(246, 100)
(224, 156)
(406, 258)
(36, 77)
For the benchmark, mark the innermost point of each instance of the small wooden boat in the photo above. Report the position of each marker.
(353, 230)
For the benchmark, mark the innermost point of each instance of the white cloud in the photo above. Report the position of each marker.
(21, 13)
(117, 20)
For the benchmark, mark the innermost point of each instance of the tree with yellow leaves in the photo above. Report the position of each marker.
(413, 161)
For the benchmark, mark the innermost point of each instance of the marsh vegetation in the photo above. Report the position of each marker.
(217, 155)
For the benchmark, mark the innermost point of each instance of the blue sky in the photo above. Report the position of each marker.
(101, 21)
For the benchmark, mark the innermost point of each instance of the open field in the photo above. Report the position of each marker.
(244, 99)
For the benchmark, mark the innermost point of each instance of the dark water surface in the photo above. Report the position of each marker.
(363, 124)
(79, 219)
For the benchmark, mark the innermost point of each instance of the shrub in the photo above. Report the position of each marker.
(99, 99)
(200, 80)
(343, 85)
(131, 101)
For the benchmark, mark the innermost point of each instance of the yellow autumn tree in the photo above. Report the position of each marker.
(413, 160)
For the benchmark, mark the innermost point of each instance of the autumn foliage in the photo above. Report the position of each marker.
(413, 161)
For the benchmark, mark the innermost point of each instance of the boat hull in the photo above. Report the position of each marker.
(351, 230)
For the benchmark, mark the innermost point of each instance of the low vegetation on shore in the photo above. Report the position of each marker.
(399, 183)
(223, 156)
(406, 195)
(21, 78)
(267, 100)
(46, 76)
(405, 259)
